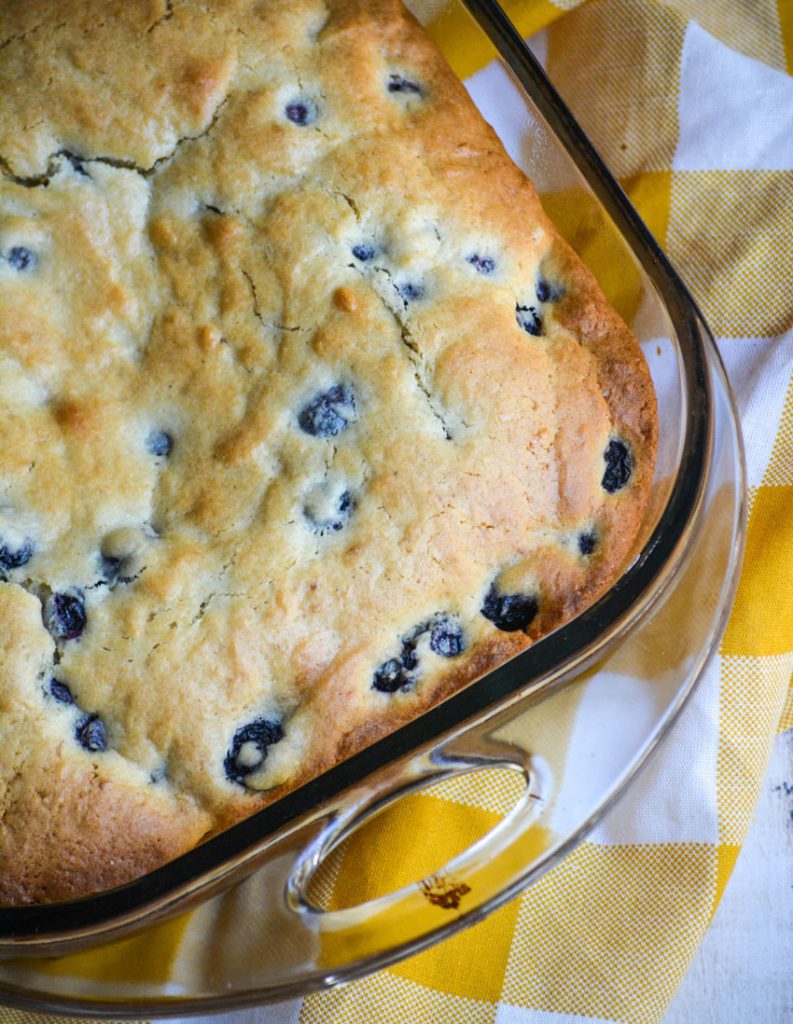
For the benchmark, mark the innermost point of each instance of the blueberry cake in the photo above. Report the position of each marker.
(309, 417)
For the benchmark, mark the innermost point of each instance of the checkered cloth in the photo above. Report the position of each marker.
(690, 104)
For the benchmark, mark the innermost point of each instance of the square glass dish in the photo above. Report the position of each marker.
(679, 586)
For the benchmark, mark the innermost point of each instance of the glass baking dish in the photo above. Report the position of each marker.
(655, 628)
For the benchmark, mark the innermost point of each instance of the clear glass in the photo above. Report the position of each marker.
(258, 873)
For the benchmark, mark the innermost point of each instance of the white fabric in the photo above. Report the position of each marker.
(742, 970)
(759, 369)
(734, 111)
(519, 1015)
(673, 800)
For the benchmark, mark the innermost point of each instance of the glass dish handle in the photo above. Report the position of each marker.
(461, 891)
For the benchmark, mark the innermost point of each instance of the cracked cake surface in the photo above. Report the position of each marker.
(309, 415)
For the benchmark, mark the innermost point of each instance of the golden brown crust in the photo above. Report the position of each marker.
(99, 833)
(213, 215)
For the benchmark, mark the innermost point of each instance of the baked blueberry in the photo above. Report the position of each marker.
(587, 542)
(619, 466)
(64, 615)
(410, 291)
(364, 252)
(121, 554)
(484, 264)
(329, 412)
(398, 83)
(345, 506)
(110, 568)
(529, 319)
(90, 733)
(160, 443)
(14, 556)
(509, 612)
(409, 658)
(446, 638)
(249, 748)
(329, 517)
(301, 112)
(547, 291)
(392, 675)
(117, 570)
(61, 692)
(21, 258)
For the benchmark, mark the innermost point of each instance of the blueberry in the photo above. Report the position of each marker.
(13, 557)
(529, 319)
(110, 568)
(336, 520)
(249, 748)
(21, 259)
(397, 673)
(64, 615)
(61, 692)
(398, 83)
(117, 570)
(587, 542)
(410, 291)
(329, 412)
(345, 507)
(546, 291)
(409, 658)
(159, 442)
(484, 264)
(619, 466)
(446, 638)
(90, 733)
(391, 676)
(364, 252)
(301, 112)
(509, 612)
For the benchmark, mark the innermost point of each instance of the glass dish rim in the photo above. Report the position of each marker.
(107, 913)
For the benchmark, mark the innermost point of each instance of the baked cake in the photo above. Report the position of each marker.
(309, 417)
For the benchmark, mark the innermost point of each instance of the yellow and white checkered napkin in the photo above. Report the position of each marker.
(691, 105)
